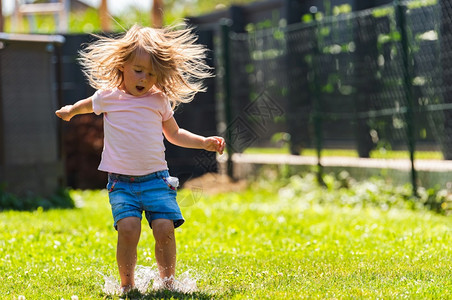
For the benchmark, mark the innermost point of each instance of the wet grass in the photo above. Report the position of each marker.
(272, 241)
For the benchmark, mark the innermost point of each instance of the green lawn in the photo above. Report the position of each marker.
(273, 241)
(387, 154)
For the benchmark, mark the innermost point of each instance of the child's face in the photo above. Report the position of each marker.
(138, 74)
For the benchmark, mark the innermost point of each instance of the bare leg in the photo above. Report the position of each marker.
(129, 230)
(165, 248)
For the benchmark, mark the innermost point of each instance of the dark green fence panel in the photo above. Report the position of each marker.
(374, 78)
(31, 160)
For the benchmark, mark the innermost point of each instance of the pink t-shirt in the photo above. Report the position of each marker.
(133, 135)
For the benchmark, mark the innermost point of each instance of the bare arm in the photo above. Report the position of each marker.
(185, 138)
(84, 106)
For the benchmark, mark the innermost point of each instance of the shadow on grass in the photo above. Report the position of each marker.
(164, 294)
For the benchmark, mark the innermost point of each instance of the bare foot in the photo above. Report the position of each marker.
(165, 284)
(126, 289)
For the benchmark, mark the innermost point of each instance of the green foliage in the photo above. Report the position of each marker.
(281, 139)
(86, 22)
(279, 239)
(199, 7)
(344, 191)
(60, 199)
(421, 3)
(130, 17)
(89, 22)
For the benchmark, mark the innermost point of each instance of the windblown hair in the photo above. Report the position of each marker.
(176, 59)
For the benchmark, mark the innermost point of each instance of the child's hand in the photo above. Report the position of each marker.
(65, 113)
(214, 143)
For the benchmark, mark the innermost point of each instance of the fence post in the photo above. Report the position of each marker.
(58, 53)
(1, 17)
(225, 25)
(299, 102)
(446, 64)
(315, 89)
(400, 10)
(365, 60)
(2, 134)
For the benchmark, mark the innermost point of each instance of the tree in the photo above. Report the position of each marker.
(104, 17)
(157, 13)
(1, 17)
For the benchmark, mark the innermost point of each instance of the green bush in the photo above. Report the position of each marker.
(343, 190)
(60, 199)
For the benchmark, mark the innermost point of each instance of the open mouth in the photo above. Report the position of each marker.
(140, 88)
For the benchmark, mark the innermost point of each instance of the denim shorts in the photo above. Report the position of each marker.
(152, 193)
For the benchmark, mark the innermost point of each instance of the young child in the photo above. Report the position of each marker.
(140, 78)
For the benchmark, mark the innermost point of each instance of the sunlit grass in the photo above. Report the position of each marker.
(273, 241)
(380, 153)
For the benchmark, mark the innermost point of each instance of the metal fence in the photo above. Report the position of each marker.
(377, 78)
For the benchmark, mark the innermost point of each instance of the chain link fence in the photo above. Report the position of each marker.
(373, 79)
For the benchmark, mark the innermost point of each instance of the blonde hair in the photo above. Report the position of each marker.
(177, 60)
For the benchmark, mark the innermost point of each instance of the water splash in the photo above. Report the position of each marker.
(111, 286)
(184, 284)
(147, 276)
(143, 277)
